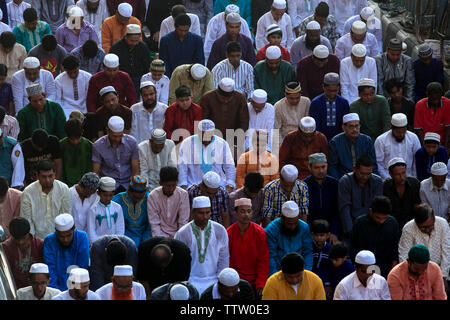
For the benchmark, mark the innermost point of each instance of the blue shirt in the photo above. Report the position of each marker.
(334, 275)
(280, 244)
(189, 51)
(92, 65)
(340, 155)
(321, 260)
(59, 258)
(319, 111)
(137, 226)
(424, 161)
(434, 72)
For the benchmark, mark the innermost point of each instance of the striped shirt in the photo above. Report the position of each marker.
(275, 196)
(242, 76)
(219, 202)
(15, 12)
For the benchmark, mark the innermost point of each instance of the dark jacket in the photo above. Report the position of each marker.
(163, 292)
(245, 292)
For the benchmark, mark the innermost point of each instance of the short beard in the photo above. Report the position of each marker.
(116, 295)
(149, 106)
(289, 233)
(91, 10)
(311, 44)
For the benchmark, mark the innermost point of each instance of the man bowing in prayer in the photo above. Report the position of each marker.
(122, 286)
(64, 249)
(78, 287)
(209, 250)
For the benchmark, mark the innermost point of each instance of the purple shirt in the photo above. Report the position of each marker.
(115, 162)
(69, 40)
(6, 96)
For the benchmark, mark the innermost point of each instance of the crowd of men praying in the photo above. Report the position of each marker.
(220, 150)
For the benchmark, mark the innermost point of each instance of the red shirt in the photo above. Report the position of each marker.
(261, 55)
(249, 254)
(122, 83)
(175, 118)
(425, 118)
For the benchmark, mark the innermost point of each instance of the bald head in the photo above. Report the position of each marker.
(161, 255)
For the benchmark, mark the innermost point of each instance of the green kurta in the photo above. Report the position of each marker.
(375, 118)
(52, 120)
(273, 84)
(77, 160)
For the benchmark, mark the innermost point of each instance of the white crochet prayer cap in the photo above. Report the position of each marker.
(290, 209)
(201, 202)
(229, 277)
(64, 222)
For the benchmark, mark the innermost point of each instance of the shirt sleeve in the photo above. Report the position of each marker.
(96, 273)
(50, 87)
(153, 212)
(26, 210)
(17, 90)
(83, 251)
(272, 245)
(184, 211)
(224, 253)
(50, 260)
(345, 204)
(307, 250)
(381, 161)
(405, 243)
(395, 286)
(66, 200)
(262, 261)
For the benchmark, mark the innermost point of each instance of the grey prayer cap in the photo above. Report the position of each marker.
(331, 79)
(34, 89)
(233, 18)
(425, 50)
(90, 181)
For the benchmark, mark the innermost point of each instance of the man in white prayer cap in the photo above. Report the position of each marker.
(272, 74)
(32, 73)
(435, 190)
(299, 144)
(357, 34)
(95, 12)
(183, 290)
(217, 157)
(106, 150)
(217, 28)
(277, 15)
(367, 15)
(397, 142)
(53, 12)
(39, 289)
(78, 287)
(344, 9)
(122, 286)
(304, 45)
(355, 67)
(209, 256)
(289, 234)
(364, 283)
(229, 287)
(115, 27)
(289, 187)
(63, 249)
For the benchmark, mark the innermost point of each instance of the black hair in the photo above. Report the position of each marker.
(3, 70)
(322, 9)
(7, 39)
(177, 10)
(39, 137)
(422, 212)
(292, 263)
(381, 204)
(254, 181)
(233, 46)
(30, 15)
(90, 49)
(183, 91)
(3, 186)
(434, 87)
(391, 84)
(70, 62)
(431, 141)
(364, 161)
(168, 174)
(73, 128)
(49, 42)
(45, 165)
(2, 113)
(116, 252)
(320, 226)
(182, 20)
(19, 227)
(398, 164)
(338, 250)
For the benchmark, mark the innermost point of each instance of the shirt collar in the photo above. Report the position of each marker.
(444, 187)
(357, 283)
(108, 143)
(440, 104)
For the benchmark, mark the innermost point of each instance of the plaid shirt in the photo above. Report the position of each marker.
(274, 197)
(219, 203)
(329, 30)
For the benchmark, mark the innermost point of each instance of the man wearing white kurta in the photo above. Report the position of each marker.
(397, 143)
(159, 79)
(155, 153)
(353, 69)
(38, 272)
(216, 28)
(344, 9)
(277, 15)
(208, 241)
(122, 286)
(15, 12)
(367, 15)
(203, 152)
(261, 117)
(72, 86)
(299, 10)
(95, 17)
(78, 287)
(31, 74)
(143, 120)
(84, 196)
(357, 34)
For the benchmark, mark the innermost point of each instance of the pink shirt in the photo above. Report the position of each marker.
(10, 126)
(167, 214)
(429, 285)
(10, 208)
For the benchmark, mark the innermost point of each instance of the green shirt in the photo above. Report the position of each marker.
(273, 84)
(77, 160)
(52, 120)
(375, 118)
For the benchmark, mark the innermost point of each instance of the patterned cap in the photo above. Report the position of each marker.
(138, 183)
(90, 180)
(158, 65)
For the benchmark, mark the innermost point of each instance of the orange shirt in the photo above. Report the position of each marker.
(113, 31)
(429, 285)
(266, 164)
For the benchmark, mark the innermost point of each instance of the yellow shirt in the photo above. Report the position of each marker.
(277, 288)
